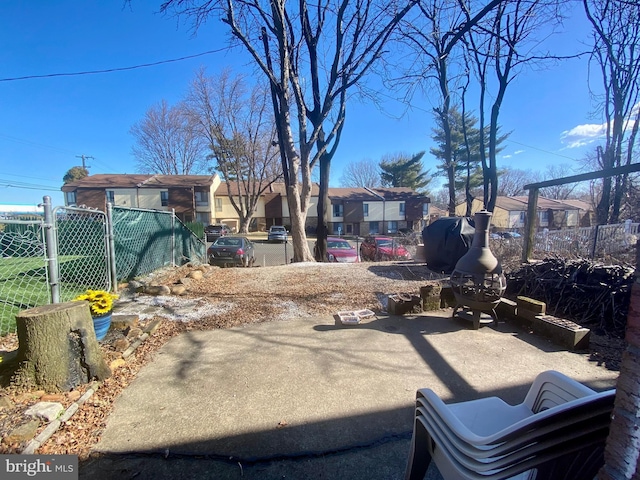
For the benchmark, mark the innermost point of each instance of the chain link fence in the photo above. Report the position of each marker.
(24, 281)
(55, 257)
(81, 236)
(612, 244)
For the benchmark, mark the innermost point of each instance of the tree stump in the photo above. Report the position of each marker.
(58, 349)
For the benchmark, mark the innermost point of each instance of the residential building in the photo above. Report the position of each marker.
(363, 211)
(510, 212)
(190, 196)
(205, 199)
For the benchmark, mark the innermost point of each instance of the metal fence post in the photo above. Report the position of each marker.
(286, 257)
(111, 250)
(51, 249)
(173, 237)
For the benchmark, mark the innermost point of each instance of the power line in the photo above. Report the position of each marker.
(26, 186)
(110, 70)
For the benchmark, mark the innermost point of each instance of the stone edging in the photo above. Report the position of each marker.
(54, 425)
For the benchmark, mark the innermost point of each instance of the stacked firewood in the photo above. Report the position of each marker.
(593, 295)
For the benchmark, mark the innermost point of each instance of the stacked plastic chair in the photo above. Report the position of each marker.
(557, 432)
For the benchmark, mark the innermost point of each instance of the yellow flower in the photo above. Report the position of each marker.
(100, 301)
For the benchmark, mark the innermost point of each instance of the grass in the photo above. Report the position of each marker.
(23, 284)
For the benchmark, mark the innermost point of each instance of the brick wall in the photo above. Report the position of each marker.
(623, 444)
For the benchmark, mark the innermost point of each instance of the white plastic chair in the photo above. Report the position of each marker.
(558, 431)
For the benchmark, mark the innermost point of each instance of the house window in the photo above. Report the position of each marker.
(365, 209)
(164, 198)
(111, 196)
(425, 209)
(402, 209)
(70, 198)
(203, 217)
(338, 228)
(374, 227)
(338, 210)
(392, 226)
(544, 217)
(202, 199)
(218, 204)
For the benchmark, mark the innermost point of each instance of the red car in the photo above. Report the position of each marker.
(381, 249)
(339, 250)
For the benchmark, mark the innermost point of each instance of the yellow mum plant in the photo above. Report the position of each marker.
(100, 301)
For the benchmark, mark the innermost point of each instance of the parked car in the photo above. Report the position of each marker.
(383, 248)
(341, 251)
(277, 233)
(230, 250)
(215, 231)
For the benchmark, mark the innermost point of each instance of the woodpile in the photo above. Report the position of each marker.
(593, 295)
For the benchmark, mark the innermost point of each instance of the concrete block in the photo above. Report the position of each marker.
(402, 303)
(562, 332)
(531, 305)
(430, 297)
(507, 309)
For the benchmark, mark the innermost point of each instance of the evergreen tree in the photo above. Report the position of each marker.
(75, 173)
(401, 170)
(465, 153)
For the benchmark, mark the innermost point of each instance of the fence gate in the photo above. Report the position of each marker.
(82, 251)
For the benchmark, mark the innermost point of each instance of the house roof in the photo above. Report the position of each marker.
(139, 181)
(580, 204)
(520, 203)
(364, 194)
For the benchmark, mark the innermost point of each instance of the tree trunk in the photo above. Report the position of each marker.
(58, 349)
(320, 252)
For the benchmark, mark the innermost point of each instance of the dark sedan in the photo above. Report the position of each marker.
(216, 231)
(232, 251)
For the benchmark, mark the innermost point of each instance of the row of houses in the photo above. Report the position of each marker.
(510, 213)
(354, 211)
(206, 199)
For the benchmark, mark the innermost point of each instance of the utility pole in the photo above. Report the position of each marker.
(84, 157)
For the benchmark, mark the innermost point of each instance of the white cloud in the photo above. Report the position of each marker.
(583, 135)
(506, 156)
(518, 152)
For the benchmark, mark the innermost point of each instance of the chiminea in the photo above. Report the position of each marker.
(477, 280)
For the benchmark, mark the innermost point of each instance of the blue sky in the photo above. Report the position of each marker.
(47, 123)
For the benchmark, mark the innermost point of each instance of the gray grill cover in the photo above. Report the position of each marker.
(445, 241)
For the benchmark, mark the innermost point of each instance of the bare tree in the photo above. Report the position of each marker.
(616, 53)
(497, 45)
(312, 55)
(433, 35)
(558, 192)
(361, 173)
(512, 180)
(167, 141)
(238, 126)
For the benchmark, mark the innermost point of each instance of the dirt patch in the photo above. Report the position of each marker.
(233, 297)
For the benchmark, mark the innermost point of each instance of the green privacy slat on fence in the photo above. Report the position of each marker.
(190, 246)
(148, 240)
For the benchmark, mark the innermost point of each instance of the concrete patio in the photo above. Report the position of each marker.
(311, 398)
